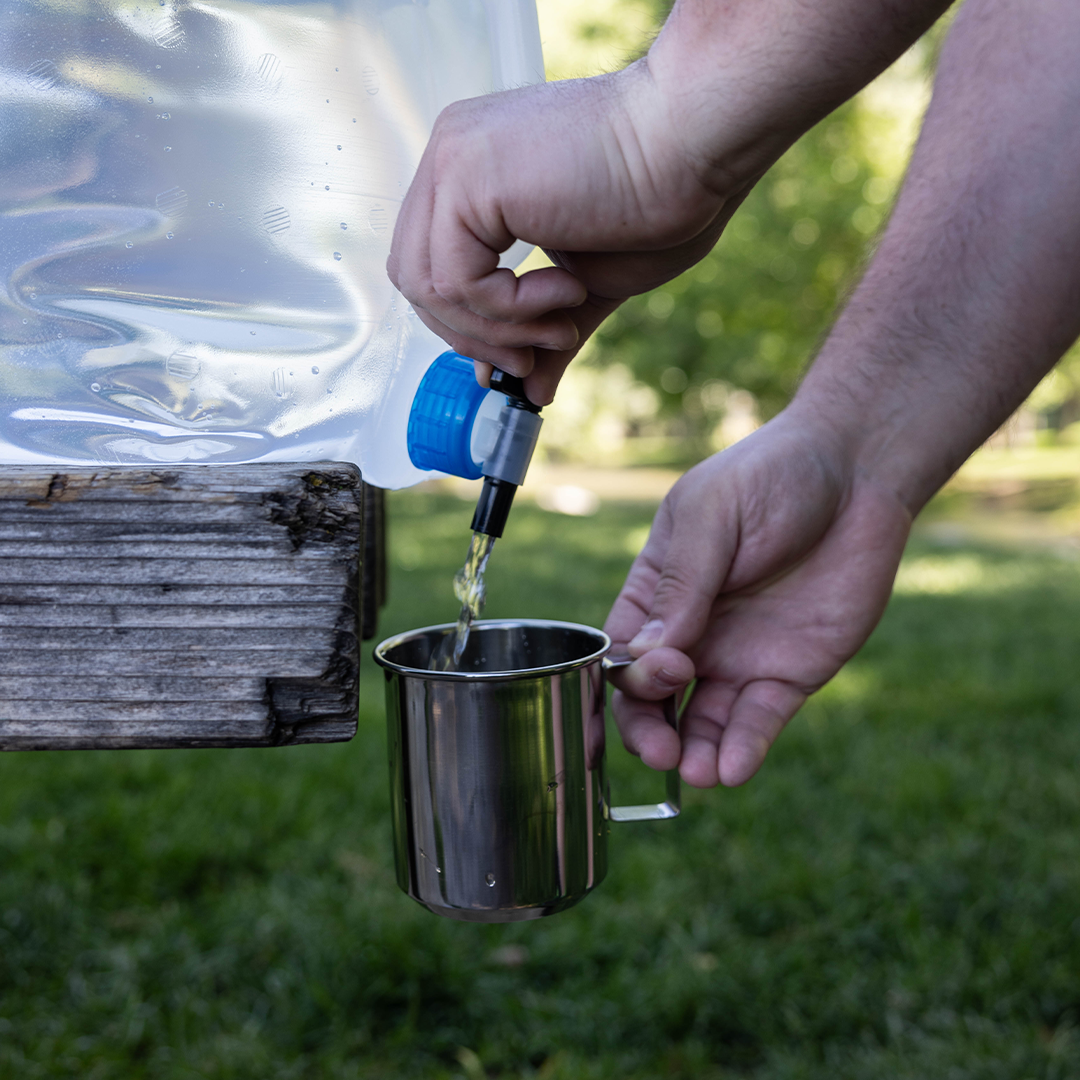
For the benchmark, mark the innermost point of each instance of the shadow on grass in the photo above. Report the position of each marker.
(894, 896)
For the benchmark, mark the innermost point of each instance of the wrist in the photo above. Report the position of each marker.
(743, 80)
(899, 402)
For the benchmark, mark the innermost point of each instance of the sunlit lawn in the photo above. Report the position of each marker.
(896, 895)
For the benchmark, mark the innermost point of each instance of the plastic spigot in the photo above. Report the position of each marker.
(445, 411)
(505, 469)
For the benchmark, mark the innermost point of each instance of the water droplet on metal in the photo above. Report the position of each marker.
(168, 236)
(314, 371)
(96, 387)
(151, 100)
(490, 879)
(343, 226)
(167, 149)
(129, 244)
(339, 146)
(337, 256)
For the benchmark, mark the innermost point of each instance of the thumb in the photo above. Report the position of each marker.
(694, 554)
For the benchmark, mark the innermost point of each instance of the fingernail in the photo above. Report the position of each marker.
(668, 680)
(648, 637)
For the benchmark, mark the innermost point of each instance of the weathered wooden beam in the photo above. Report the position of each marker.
(190, 606)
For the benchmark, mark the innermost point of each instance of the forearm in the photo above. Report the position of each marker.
(974, 293)
(740, 80)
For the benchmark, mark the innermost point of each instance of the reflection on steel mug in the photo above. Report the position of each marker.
(497, 783)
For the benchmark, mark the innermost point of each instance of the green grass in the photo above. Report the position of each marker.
(896, 895)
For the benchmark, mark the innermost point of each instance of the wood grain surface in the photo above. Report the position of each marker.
(191, 606)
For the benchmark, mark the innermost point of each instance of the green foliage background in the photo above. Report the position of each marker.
(892, 898)
(751, 314)
(752, 311)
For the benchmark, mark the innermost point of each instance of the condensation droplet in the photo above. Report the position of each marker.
(314, 370)
(343, 226)
(269, 69)
(183, 364)
(276, 219)
(167, 149)
(168, 236)
(490, 879)
(129, 244)
(151, 100)
(279, 382)
(339, 146)
(96, 387)
(378, 219)
(44, 74)
(168, 33)
(438, 869)
(337, 256)
(172, 203)
(327, 187)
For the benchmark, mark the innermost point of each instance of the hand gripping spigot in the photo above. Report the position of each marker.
(504, 469)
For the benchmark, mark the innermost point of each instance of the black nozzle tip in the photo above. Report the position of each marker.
(493, 507)
(513, 387)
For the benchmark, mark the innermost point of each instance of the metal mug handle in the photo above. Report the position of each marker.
(672, 805)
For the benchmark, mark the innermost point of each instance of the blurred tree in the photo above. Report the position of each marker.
(748, 317)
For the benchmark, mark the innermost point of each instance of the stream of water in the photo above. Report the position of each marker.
(470, 589)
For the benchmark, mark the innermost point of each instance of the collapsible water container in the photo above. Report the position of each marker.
(196, 204)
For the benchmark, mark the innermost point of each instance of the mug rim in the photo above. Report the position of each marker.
(380, 650)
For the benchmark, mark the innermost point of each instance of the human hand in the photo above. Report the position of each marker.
(767, 567)
(593, 171)
(625, 180)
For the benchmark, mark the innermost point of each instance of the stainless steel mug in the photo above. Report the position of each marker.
(497, 783)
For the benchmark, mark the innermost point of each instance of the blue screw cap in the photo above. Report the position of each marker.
(439, 434)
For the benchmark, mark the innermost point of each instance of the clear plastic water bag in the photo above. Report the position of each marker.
(196, 205)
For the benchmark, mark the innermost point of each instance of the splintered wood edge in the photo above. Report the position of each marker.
(263, 537)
